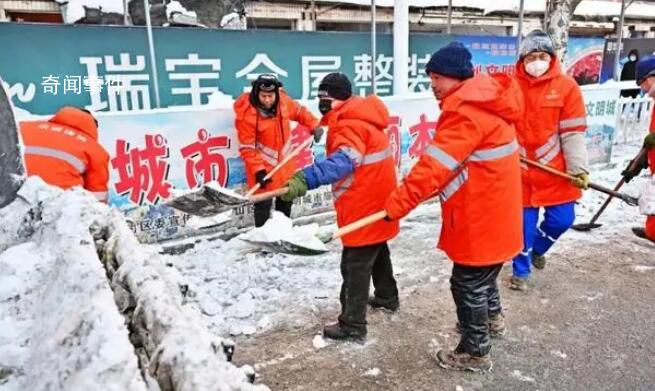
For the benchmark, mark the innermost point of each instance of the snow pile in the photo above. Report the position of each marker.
(59, 327)
(280, 228)
(73, 10)
(175, 6)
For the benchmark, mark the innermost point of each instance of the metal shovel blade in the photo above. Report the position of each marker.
(283, 246)
(206, 201)
(586, 226)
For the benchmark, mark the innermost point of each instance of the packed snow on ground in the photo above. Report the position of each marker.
(241, 290)
(59, 326)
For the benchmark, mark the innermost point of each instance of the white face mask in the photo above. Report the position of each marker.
(537, 68)
(633, 58)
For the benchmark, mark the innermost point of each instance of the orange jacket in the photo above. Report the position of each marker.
(266, 141)
(358, 128)
(64, 151)
(553, 107)
(473, 161)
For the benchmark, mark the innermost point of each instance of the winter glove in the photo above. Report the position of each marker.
(297, 187)
(635, 167)
(581, 180)
(649, 141)
(318, 133)
(260, 178)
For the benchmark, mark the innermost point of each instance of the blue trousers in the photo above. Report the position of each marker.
(539, 239)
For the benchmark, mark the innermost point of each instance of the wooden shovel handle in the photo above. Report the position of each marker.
(268, 195)
(277, 168)
(345, 230)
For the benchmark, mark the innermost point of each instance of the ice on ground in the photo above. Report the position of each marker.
(373, 372)
(642, 268)
(521, 377)
(319, 342)
(280, 228)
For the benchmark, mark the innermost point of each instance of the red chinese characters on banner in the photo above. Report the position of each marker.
(143, 172)
(202, 158)
(422, 133)
(306, 157)
(393, 134)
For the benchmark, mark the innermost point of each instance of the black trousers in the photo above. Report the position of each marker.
(263, 210)
(358, 265)
(475, 291)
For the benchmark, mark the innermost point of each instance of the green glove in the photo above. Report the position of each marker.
(581, 180)
(297, 187)
(649, 141)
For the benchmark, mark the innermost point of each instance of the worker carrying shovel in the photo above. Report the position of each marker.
(646, 80)
(360, 167)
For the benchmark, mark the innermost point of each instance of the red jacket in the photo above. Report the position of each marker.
(64, 151)
(264, 142)
(358, 128)
(553, 107)
(473, 161)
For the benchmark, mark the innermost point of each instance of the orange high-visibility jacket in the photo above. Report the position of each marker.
(264, 142)
(553, 107)
(473, 161)
(64, 151)
(358, 129)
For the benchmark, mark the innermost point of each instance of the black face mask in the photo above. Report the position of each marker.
(324, 106)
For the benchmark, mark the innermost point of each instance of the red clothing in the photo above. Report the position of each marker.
(553, 107)
(358, 129)
(473, 161)
(64, 151)
(264, 142)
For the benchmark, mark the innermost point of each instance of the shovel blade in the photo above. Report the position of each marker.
(206, 201)
(285, 247)
(586, 227)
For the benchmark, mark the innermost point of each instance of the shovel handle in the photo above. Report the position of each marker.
(277, 168)
(628, 199)
(268, 195)
(345, 230)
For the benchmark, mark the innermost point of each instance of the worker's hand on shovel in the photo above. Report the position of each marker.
(297, 187)
(318, 133)
(581, 180)
(260, 177)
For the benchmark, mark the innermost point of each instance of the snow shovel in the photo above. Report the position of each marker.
(212, 199)
(592, 223)
(632, 201)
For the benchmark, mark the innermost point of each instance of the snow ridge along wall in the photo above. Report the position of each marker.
(60, 326)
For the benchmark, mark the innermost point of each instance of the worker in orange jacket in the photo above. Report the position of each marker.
(64, 151)
(646, 81)
(552, 132)
(473, 162)
(263, 126)
(360, 168)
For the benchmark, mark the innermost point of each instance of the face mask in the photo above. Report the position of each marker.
(537, 68)
(633, 58)
(324, 106)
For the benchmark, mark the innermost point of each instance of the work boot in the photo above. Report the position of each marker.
(342, 332)
(451, 359)
(640, 232)
(538, 261)
(518, 284)
(388, 305)
(496, 326)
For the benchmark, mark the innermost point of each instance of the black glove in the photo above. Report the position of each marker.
(635, 167)
(259, 177)
(649, 141)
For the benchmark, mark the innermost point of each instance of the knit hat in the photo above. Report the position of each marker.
(452, 60)
(536, 41)
(645, 68)
(335, 85)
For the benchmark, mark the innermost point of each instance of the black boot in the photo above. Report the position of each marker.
(262, 212)
(344, 333)
(640, 232)
(390, 305)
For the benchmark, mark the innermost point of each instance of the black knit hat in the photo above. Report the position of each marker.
(335, 85)
(452, 60)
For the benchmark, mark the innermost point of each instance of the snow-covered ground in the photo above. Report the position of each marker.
(240, 290)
